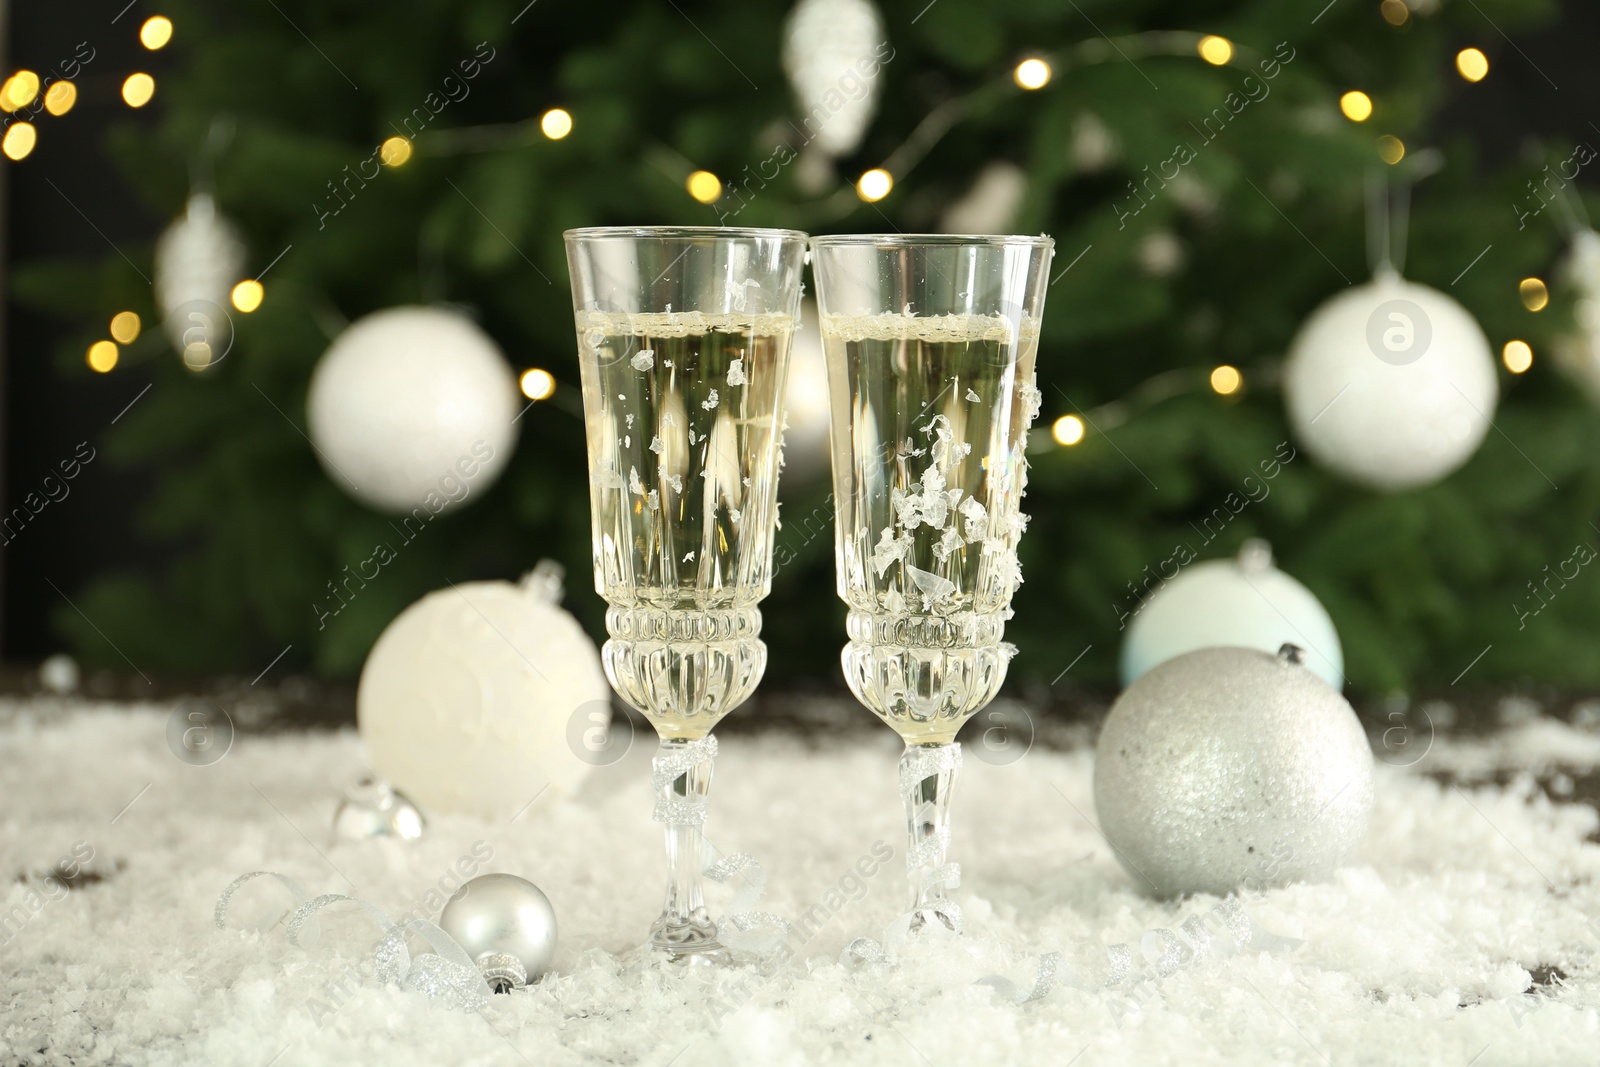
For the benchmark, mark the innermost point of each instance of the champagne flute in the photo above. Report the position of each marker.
(683, 343)
(930, 344)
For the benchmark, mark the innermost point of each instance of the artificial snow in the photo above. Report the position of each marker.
(1467, 934)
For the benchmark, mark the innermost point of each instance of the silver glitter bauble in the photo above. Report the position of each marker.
(507, 926)
(371, 808)
(1231, 767)
(198, 260)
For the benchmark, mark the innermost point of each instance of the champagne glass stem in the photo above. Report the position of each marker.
(927, 779)
(685, 929)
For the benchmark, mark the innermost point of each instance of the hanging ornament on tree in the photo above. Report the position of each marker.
(1391, 384)
(506, 925)
(991, 205)
(1578, 353)
(832, 52)
(412, 407)
(1244, 602)
(1230, 767)
(479, 698)
(197, 261)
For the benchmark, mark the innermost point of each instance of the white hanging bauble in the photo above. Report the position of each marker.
(1578, 353)
(832, 52)
(1390, 384)
(412, 407)
(198, 260)
(1244, 602)
(991, 205)
(471, 698)
(1232, 767)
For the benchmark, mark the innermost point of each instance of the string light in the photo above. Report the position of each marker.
(704, 186)
(1517, 356)
(394, 151)
(1067, 430)
(19, 140)
(537, 384)
(1356, 105)
(1472, 64)
(556, 124)
(59, 98)
(156, 32)
(248, 294)
(102, 356)
(197, 356)
(874, 185)
(1032, 74)
(1534, 293)
(1226, 380)
(1391, 149)
(138, 89)
(19, 90)
(1394, 12)
(1215, 50)
(125, 327)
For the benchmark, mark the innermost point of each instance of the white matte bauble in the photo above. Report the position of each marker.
(1578, 353)
(1390, 384)
(832, 52)
(413, 407)
(1244, 602)
(198, 260)
(468, 698)
(1232, 767)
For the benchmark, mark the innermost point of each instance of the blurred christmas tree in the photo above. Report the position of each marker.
(1206, 194)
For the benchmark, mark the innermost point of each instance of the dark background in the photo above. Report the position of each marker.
(68, 200)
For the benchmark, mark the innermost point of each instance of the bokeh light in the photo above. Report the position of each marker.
(102, 356)
(248, 294)
(704, 186)
(19, 140)
(156, 32)
(1472, 64)
(874, 185)
(1535, 294)
(59, 98)
(394, 151)
(138, 90)
(1226, 380)
(537, 383)
(1517, 356)
(1391, 149)
(1067, 430)
(125, 327)
(1215, 50)
(1356, 105)
(1032, 74)
(556, 124)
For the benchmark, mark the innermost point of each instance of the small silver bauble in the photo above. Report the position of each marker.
(507, 926)
(371, 808)
(59, 674)
(1230, 767)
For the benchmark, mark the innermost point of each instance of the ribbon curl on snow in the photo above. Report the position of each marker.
(740, 927)
(446, 974)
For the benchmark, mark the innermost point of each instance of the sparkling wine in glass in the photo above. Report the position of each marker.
(930, 344)
(683, 343)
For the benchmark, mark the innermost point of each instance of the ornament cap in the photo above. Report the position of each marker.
(1255, 556)
(503, 972)
(1292, 653)
(545, 582)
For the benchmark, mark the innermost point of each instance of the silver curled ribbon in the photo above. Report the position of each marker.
(447, 974)
(742, 927)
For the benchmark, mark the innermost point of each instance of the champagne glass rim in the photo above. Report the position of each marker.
(932, 240)
(682, 232)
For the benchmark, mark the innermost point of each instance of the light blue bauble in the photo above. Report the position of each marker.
(1242, 603)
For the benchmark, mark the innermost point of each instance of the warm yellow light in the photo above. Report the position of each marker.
(197, 356)
(874, 185)
(1356, 105)
(102, 356)
(138, 90)
(1226, 380)
(59, 98)
(19, 90)
(1067, 430)
(1517, 356)
(704, 186)
(1534, 294)
(19, 140)
(1215, 50)
(248, 294)
(537, 384)
(1032, 74)
(1391, 149)
(394, 151)
(156, 32)
(125, 326)
(1472, 64)
(1394, 12)
(556, 124)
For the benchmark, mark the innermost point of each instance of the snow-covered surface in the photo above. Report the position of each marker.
(1424, 953)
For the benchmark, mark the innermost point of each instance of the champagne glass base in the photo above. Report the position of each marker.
(693, 942)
